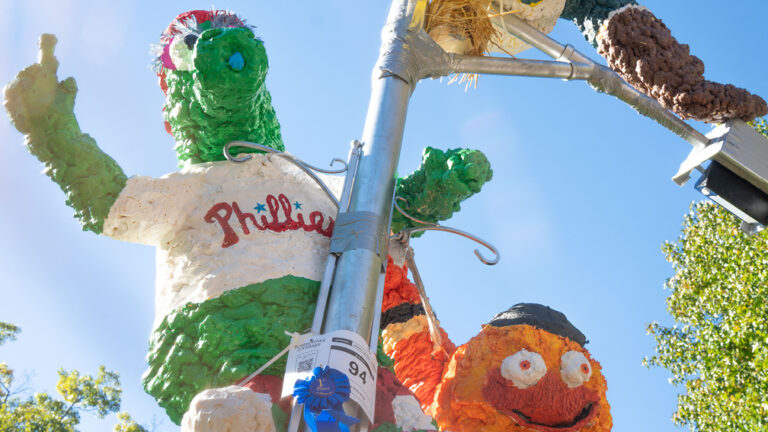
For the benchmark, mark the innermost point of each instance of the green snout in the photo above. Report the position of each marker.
(230, 67)
(222, 98)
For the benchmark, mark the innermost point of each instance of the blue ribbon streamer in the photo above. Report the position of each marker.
(329, 421)
(323, 394)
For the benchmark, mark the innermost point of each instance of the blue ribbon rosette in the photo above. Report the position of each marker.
(323, 394)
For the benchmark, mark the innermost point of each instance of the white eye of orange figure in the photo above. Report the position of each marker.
(523, 368)
(575, 369)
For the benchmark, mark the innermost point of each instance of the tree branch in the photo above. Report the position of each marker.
(66, 413)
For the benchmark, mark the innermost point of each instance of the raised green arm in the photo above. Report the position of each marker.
(42, 108)
(444, 179)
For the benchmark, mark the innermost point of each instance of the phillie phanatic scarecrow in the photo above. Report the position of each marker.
(241, 247)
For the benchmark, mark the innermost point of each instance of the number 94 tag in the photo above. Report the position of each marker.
(343, 350)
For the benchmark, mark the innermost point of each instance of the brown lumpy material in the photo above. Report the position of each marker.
(640, 48)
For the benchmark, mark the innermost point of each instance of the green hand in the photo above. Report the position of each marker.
(35, 99)
(42, 108)
(444, 179)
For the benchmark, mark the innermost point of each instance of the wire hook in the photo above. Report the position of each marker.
(409, 216)
(437, 227)
(264, 148)
(307, 168)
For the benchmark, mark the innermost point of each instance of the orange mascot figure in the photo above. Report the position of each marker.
(527, 370)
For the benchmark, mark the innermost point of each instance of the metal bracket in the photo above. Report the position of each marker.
(407, 52)
(330, 264)
(737, 174)
(737, 146)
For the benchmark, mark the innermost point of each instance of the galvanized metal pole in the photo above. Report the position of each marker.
(353, 293)
(361, 233)
(351, 306)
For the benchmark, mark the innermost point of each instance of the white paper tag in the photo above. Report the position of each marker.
(342, 350)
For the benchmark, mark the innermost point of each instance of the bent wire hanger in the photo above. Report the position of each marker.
(437, 227)
(305, 167)
(402, 239)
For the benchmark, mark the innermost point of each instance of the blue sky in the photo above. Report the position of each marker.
(580, 202)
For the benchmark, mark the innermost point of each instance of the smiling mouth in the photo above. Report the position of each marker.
(579, 420)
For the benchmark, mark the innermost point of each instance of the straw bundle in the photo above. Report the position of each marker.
(464, 27)
(460, 26)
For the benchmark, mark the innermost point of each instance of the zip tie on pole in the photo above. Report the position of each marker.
(296, 340)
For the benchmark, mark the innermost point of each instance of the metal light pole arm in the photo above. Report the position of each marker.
(605, 80)
(520, 67)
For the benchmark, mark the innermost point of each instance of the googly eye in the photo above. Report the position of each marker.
(523, 368)
(190, 39)
(575, 369)
(181, 50)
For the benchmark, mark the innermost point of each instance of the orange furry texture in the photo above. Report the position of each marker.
(449, 385)
(415, 365)
(417, 368)
(397, 288)
(459, 404)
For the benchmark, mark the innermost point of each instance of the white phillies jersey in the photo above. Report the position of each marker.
(219, 226)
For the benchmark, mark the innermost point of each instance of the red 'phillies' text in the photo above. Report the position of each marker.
(222, 212)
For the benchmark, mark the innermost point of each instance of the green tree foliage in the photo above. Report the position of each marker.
(718, 348)
(126, 424)
(79, 393)
(760, 125)
(8, 332)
